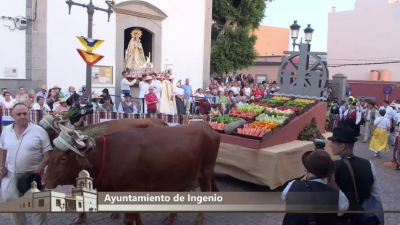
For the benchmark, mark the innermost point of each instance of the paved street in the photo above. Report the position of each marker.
(389, 179)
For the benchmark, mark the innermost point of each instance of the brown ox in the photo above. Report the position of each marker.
(51, 125)
(156, 159)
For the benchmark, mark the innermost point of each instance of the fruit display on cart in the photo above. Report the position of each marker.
(273, 102)
(297, 110)
(271, 118)
(251, 108)
(297, 104)
(217, 126)
(243, 115)
(281, 98)
(278, 112)
(249, 130)
(303, 100)
(269, 125)
(265, 104)
(224, 119)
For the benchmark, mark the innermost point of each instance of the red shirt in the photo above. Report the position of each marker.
(258, 92)
(151, 97)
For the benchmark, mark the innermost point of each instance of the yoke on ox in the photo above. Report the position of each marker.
(156, 159)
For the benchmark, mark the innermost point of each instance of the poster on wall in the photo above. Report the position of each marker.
(260, 78)
(102, 75)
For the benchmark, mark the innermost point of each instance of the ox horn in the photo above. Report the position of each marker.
(76, 141)
(56, 123)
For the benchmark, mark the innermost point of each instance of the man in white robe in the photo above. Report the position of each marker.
(143, 91)
(156, 83)
(168, 104)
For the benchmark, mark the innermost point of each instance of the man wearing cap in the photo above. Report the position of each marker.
(42, 92)
(25, 149)
(127, 106)
(366, 180)
(307, 192)
(156, 83)
(105, 94)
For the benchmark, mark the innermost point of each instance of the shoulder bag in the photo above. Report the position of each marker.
(375, 126)
(369, 204)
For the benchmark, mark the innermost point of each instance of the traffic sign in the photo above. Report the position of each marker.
(388, 89)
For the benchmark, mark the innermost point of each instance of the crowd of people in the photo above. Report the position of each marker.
(378, 125)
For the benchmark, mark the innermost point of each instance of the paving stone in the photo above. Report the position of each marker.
(389, 181)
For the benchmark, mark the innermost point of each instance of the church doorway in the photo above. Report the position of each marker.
(146, 40)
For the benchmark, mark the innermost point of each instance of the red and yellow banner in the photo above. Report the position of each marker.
(90, 58)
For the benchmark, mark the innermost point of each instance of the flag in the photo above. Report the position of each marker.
(90, 58)
(6, 120)
(90, 44)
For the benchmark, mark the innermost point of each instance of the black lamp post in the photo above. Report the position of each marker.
(90, 10)
(294, 31)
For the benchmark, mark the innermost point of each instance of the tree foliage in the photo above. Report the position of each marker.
(232, 45)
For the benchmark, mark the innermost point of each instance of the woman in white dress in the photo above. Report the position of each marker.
(8, 102)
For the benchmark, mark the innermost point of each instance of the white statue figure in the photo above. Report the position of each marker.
(134, 55)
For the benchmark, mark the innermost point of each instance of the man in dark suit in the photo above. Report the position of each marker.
(366, 181)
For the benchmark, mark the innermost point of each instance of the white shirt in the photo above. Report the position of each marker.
(247, 91)
(178, 91)
(2, 98)
(382, 122)
(157, 86)
(343, 201)
(143, 89)
(126, 85)
(26, 153)
(222, 89)
(389, 112)
(9, 104)
(46, 108)
(235, 90)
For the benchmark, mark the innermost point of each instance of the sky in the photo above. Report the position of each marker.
(282, 13)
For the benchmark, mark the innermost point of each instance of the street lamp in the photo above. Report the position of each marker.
(308, 33)
(90, 10)
(295, 28)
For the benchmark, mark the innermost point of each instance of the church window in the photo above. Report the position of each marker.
(29, 204)
(90, 185)
(79, 204)
(41, 202)
(58, 202)
(23, 205)
(81, 184)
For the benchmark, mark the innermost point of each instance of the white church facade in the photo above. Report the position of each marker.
(175, 33)
(83, 198)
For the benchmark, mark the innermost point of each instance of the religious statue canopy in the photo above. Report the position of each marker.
(134, 55)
